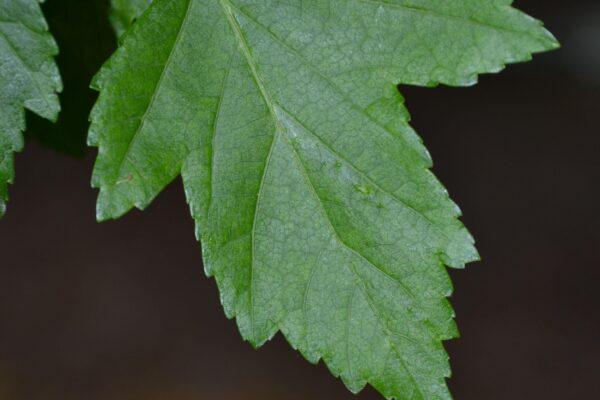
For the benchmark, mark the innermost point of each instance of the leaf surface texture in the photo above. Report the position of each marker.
(312, 196)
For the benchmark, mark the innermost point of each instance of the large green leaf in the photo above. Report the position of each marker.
(312, 196)
(28, 78)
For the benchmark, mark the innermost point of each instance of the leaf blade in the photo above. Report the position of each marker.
(316, 209)
(28, 76)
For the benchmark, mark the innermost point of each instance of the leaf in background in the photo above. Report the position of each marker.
(29, 79)
(86, 40)
(124, 12)
(312, 196)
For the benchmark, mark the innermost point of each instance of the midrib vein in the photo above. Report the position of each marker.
(354, 106)
(442, 15)
(273, 109)
(245, 49)
(154, 93)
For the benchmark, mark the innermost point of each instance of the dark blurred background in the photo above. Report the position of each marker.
(122, 310)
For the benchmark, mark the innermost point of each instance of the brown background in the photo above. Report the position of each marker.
(122, 310)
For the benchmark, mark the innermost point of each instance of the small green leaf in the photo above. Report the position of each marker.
(312, 196)
(29, 79)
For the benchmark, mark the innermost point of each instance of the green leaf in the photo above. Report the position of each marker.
(29, 79)
(312, 196)
(124, 12)
(85, 38)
